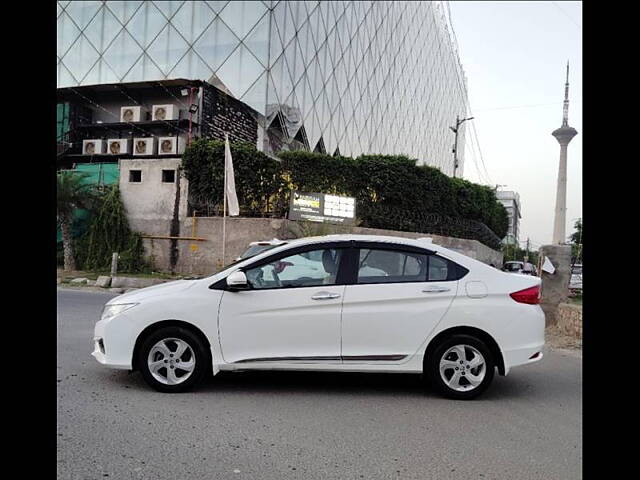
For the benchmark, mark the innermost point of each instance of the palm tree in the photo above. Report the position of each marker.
(73, 194)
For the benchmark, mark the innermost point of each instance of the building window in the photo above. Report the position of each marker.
(135, 176)
(168, 176)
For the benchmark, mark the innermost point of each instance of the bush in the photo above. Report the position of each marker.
(109, 232)
(258, 178)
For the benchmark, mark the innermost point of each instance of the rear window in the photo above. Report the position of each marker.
(394, 266)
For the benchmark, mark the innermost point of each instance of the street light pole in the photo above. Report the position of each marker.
(455, 144)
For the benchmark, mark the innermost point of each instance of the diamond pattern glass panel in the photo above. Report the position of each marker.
(146, 24)
(240, 71)
(167, 49)
(67, 33)
(192, 19)
(241, 16)
(101, 38)
(365, 77)
(82, 12)
(122, 53)
(216, 44)
(80, 57)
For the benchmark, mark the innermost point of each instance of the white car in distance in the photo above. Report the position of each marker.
(333, 303)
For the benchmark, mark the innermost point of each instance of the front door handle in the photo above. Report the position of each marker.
(325, 296)
(436, 289)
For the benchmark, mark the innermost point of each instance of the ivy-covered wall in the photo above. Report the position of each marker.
(391, 192)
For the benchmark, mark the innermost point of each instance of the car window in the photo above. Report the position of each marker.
(391, 266)
(306, 269)
(255, 249)
(512, 266)
(438, 269)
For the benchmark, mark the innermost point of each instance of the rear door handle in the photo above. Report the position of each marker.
(436, 289)
(325, 296)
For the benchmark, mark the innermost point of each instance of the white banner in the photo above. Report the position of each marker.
(230, 190)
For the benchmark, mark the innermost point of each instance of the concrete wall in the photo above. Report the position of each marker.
(198, 257)
(154, 207)
(569, 319)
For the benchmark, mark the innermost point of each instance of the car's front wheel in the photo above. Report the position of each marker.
(173, 359)
(461, 367)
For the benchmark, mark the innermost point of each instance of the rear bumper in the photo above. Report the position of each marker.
(522, 356)
(525, 341)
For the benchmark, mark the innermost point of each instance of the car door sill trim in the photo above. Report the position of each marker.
(349, 358)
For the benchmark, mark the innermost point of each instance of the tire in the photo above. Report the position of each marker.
(158, 353)
(455, 382)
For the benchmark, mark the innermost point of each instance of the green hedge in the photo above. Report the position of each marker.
(391, 191)
(258, 178)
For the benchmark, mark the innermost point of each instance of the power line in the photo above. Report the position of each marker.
(484, 172)
(518, 106)
(138, 103)
(109, 112)
(475, 136)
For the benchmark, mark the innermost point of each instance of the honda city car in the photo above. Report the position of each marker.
(334, 303)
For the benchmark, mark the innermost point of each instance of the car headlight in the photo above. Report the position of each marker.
(113, 310)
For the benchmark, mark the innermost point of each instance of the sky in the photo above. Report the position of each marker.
(514, 55)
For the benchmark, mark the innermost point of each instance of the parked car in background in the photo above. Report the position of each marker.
(575, 284)
(349, 303)
(259, 247)
(524, 268)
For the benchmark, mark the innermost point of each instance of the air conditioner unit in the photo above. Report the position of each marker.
(167, 145)
(130, 114)
(118, 146)
(164, 112)
(144, 146)
(93, 147)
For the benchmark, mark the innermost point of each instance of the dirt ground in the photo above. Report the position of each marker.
(556, 338)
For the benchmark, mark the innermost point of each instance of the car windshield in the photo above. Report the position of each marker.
(577, 271)
(512, 266)
(254, 250)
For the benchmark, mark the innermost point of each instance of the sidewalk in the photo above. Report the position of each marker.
(120, 283)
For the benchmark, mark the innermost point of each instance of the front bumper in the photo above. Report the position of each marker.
(101, 357)
(113, 342)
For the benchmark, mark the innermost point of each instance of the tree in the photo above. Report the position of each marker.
(576, 242)
(73, 193)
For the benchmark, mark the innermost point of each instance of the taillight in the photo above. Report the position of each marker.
(528, 295)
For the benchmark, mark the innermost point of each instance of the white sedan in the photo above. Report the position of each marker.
(371, 304)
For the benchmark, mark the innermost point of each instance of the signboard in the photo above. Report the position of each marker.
(323, 208)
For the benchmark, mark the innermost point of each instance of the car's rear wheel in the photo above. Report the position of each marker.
(173, 359)
(461, 367)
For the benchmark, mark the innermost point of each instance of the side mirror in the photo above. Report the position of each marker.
(237, 281)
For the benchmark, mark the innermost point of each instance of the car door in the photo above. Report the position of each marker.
(394, 303)
(291, 310)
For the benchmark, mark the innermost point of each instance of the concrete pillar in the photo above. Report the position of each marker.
(555, 287)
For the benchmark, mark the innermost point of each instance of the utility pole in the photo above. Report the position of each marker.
(455, 144)
(526, 256)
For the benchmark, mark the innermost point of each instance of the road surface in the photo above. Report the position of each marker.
(308, 425)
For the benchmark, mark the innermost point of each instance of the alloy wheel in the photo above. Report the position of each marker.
(462, 368)
(171, 361)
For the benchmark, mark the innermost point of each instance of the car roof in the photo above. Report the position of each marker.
(424, 242)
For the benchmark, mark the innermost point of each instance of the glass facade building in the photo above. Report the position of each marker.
(349, 76)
